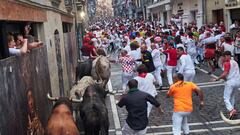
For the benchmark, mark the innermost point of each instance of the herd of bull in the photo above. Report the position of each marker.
(89, 93)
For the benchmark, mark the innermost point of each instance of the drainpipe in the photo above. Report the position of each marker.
(204, 11)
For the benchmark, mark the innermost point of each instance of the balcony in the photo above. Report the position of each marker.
(157, 3)
(230, 3)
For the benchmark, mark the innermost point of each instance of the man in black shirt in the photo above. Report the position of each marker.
(136, 105)
(147, 59)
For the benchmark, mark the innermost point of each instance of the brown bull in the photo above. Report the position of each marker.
(61, 121)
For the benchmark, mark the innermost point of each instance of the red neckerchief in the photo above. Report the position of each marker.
(143, 75)
(184, 54)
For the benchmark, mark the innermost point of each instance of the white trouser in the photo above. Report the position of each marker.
(194, 57)
(125, 78)
(201, 53)
(229, 94)
(180, 122)
(189, 75)
(157, 75)
(170, 71)
(126, 130)
(149, 108)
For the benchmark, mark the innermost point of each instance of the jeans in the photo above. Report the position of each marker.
(126, 130)
(125, 78)
(170, 71)
(189, 75)
(180, 122)
(157, 75)
(229, 95)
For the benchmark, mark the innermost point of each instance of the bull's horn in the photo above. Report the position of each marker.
(228, 121)
(76, 100)
(51, 98)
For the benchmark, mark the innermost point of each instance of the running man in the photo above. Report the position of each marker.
(181, 92)
(136, 105)
(186, 67)
(232, 76)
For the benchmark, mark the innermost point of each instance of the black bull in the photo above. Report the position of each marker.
(83, 69)
(94, 112)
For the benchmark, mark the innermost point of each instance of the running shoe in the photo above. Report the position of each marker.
(232, 113)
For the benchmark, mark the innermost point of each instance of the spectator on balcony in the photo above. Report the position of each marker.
(20, 41)
(13, 50)
(31, 41)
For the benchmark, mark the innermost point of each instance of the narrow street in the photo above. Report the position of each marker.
(202, 122)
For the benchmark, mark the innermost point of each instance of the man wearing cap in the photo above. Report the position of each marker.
(232, 76)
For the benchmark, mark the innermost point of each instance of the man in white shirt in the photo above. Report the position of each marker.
(192, 48)
(138, 38)
(135, 52)
(228, 45)
(148, 40)
(146, 83)
(232, 76)
(186, 67)
(157, 63)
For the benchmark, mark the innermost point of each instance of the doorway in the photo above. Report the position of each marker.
(217, 16)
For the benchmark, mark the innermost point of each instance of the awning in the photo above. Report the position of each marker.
(160, 3)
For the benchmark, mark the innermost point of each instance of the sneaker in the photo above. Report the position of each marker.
(232, 113)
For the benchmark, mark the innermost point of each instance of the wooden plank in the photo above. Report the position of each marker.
(25, 81)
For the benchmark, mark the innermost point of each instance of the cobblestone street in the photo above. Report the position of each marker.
(206, 121)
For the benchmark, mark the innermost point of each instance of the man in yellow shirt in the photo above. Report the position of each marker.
(182, 94)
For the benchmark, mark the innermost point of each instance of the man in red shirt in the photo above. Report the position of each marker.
(171, 62)
(89, 51)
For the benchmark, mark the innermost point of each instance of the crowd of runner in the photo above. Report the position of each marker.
(148, 49)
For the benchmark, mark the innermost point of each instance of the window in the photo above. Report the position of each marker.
(55, 3)
(13, 28)
(66, 27)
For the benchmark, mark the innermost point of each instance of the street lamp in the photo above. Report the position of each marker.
(82, 14)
